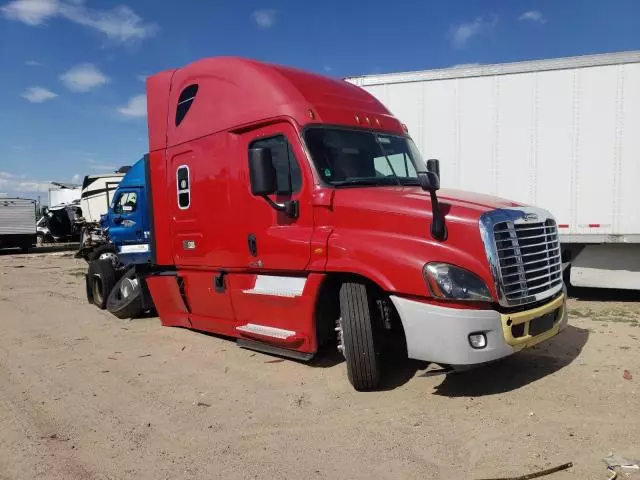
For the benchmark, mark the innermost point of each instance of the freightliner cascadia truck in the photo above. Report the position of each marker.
(291, 211)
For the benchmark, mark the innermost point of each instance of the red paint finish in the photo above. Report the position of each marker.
(211, 310)
(381, 233)
(168, 301)
(288, 313)
(563, 225)
(594, 225)
(283, 243)
(159, 206)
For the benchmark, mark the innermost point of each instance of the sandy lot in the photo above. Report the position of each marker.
(84, 395)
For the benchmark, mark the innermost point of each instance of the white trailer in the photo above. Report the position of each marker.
(97, 193)
(63, 193)
(563, 134)
(17, 223)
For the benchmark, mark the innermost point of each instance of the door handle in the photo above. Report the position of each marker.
(219, 283)
(252, 243)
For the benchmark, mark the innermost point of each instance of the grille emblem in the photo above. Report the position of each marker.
(530, 217)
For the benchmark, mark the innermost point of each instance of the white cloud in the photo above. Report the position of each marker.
(32, 63)
(31, 12)
(533, 16)
(461, 34)
(17, 185)
(7, 175)
(137, 107)
(96, 166)
(77, 178)
(328, 68)
(38, 94)
(120, 24)
(83, 78)
(265, 18)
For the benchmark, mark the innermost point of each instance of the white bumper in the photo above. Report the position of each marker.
(441, 335)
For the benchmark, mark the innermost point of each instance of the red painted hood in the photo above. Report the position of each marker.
(457, 205)
(385, 230)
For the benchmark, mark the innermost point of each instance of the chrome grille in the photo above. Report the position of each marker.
(524, 251)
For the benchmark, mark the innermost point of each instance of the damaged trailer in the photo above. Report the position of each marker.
(97, 193)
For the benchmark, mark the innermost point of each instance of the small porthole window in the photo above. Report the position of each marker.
(183, 184)
(184, 102)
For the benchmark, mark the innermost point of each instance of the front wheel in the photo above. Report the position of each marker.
(357, 335)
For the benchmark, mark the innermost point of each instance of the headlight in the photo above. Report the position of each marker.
(454, 283)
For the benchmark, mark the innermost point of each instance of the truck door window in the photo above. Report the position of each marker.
(126, 203)
(284, 161)
(184, 187)
(184, 102)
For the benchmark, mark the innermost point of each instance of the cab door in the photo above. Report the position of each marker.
(127, 218)
(273, 297)
(273, 239)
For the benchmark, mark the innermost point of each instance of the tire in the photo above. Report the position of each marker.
(101, 252)
(102, 277)
(358, 336)
(129, 306)
(89, 288)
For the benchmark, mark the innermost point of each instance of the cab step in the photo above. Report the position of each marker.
(273, 350)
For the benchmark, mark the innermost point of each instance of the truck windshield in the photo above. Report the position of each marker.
(358, 157)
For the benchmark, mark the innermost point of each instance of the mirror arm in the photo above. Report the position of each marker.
(289, 207)
(438, 228)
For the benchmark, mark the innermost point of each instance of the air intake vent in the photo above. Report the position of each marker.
(525, 255)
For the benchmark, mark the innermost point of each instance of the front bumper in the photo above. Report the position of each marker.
(441, 335)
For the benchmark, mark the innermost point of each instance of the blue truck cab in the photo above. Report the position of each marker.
(127, 221)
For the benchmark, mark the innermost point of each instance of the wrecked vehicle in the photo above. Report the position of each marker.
(119, 249)
(60, 223)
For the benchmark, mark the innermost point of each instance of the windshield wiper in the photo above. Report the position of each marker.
(410, 182)
(358, 181)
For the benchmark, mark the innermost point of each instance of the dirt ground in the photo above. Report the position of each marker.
(84, 395)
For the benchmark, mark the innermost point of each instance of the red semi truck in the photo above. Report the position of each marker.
(290, 210)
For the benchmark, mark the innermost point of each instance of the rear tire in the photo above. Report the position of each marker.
(358, 336)
(101, 279)
(130, 306)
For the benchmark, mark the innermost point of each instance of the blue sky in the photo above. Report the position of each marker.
(72, 90)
